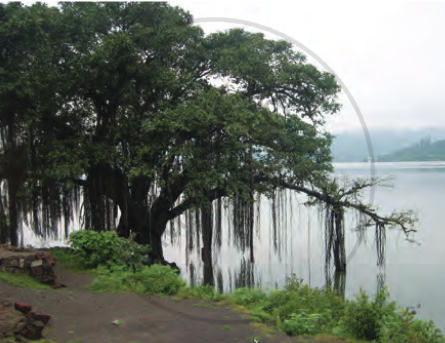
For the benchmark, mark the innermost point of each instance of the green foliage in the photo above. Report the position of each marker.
(23, 281)
(158, 279)
(205, 292)
(301, 324)
(106, 249)
(155, 279)
(69, 258)
(299, 310)
(129, 101)
(121, 264)
(380, 320)
(366, 319)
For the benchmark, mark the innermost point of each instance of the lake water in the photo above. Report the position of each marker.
(414, 273)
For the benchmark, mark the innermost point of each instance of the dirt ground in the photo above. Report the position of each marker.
(87, 317)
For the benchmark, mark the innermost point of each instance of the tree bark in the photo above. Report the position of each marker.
(207, 236)
(339, 243)
(4, 233)
(13, 216)
(148, 225)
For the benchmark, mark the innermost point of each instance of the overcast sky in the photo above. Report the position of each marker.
(390, 55)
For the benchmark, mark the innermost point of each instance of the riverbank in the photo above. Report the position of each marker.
(84, 311)
(82, 316)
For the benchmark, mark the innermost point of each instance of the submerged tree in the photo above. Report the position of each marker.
(117, 102)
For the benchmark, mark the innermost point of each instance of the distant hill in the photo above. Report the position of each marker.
(351, 146)
(425, 150)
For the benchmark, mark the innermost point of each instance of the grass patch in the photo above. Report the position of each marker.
(156, 279)
(71, 261)
(23, 281)
(201, 293)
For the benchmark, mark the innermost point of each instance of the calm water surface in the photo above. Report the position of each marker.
(414, 274)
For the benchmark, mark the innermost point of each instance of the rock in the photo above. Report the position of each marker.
(19, 327)
(23, 327)
(37, 271)
(20, 339)
(39, 316)
(38, 264)
(6, 303)
(33, 330)
(25, 308)
(30, 258)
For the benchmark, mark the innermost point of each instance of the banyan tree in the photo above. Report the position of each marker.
(109, 108)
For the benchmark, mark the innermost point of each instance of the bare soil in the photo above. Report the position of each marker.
(78, 314)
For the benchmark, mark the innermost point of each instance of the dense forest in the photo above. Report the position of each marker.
(425, 150)
(112, 107)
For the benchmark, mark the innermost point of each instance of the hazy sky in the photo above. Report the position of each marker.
(390, 55)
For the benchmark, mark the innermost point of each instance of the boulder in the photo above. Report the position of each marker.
(38, 264)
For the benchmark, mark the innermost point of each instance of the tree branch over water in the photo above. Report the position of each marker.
(405, 220)
(335, 199)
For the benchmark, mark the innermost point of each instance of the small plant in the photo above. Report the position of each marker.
(106, 249)
(293, 283)
(95, 248)
(301, 324)
(155, 279)
(365, 319)
(158, 279)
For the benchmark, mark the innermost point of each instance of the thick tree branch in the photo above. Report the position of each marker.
(185, 205)
(401, 220)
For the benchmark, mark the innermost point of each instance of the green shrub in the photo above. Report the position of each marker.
(106, 248)
(133, 255)
(381, 321)
(155, 279)
(404, 328)
(158, 279)
(366, 319)
(95, 248)
(301, 324)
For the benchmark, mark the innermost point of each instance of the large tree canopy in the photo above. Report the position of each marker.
(117, 106)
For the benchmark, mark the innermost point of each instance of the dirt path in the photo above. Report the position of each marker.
(81, 315)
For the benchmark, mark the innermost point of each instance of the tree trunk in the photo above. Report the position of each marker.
(155, 237)
(148, 225)
(340, 283)
(339, 243)
(13, 216)
(4, 233)
(251, 210)
(207, 236)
